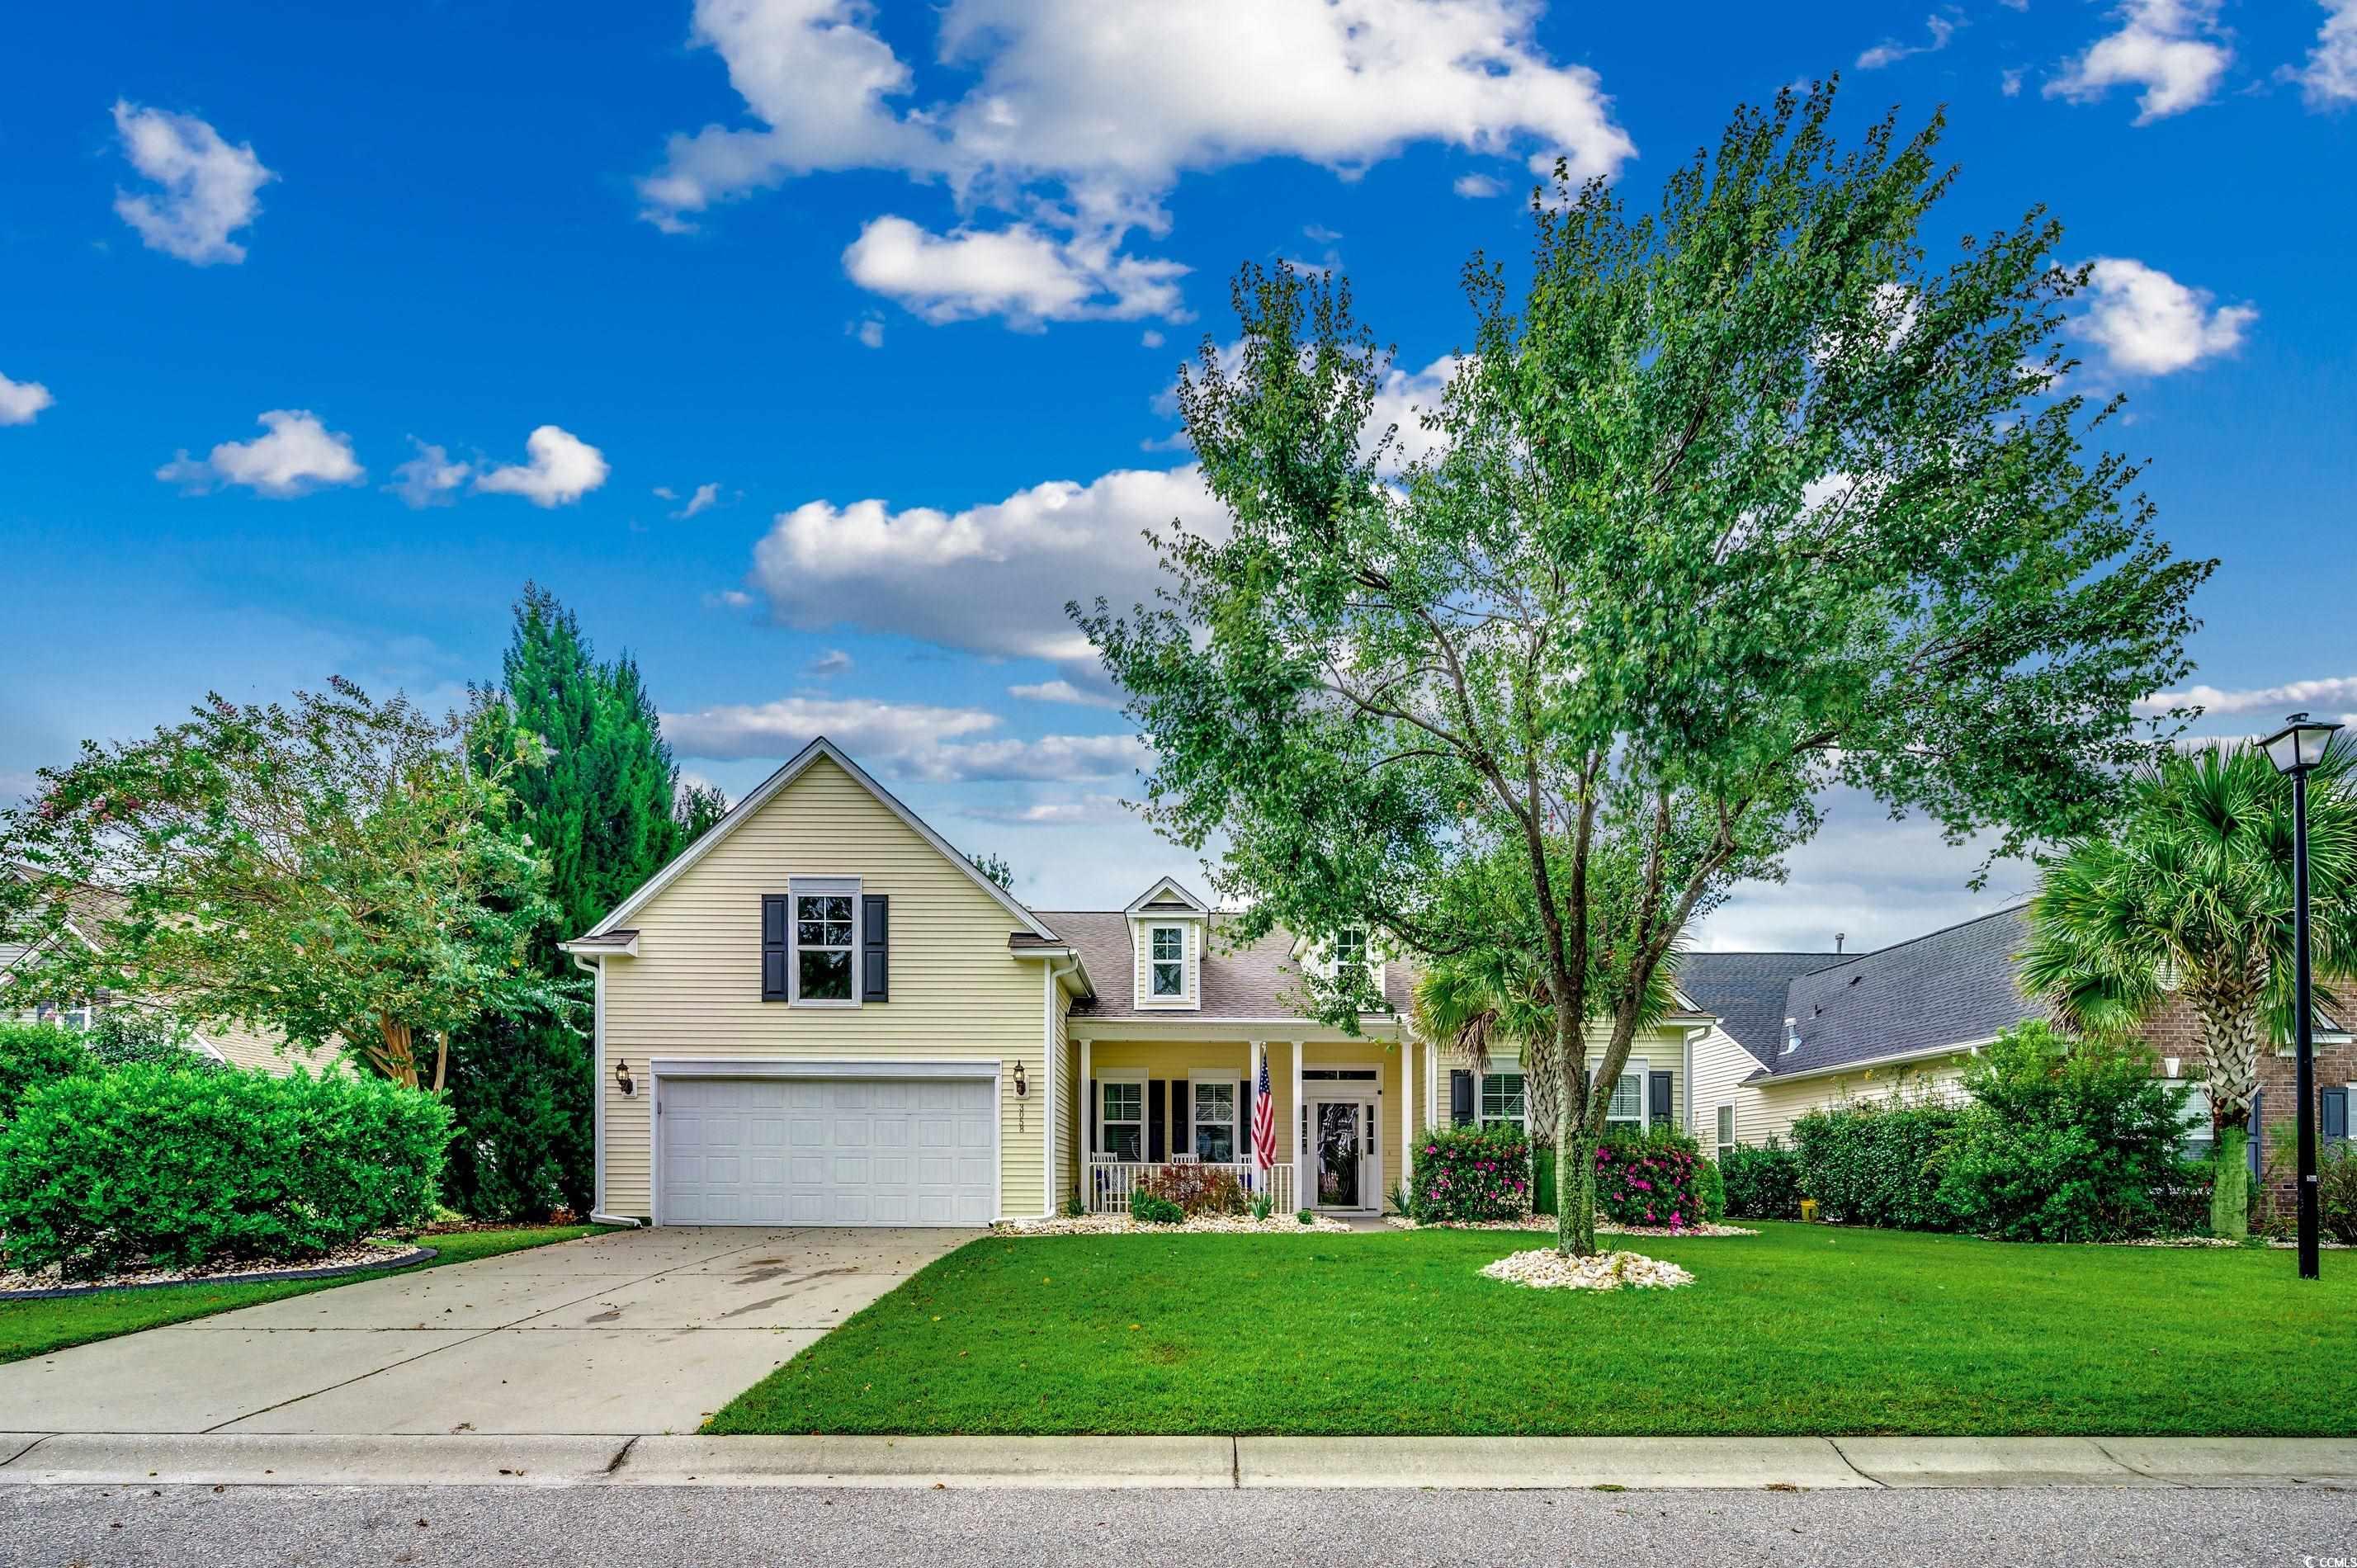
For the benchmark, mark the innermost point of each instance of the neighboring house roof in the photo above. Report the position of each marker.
(1749, 990)
(1252, 981)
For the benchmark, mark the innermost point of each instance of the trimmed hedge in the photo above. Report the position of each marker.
(1470, 1173)
(32, 1055)
(1649, 1179)
(1876, 1164)
(1762, 1182)
(153, 1166)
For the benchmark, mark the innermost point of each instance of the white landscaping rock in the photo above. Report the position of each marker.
(1544, 1268)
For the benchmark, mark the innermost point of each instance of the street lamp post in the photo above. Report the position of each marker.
(2294, 750)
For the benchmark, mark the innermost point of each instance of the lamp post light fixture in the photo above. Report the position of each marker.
(2294, 750)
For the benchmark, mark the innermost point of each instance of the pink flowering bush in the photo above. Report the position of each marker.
(1470, 1173)
(1649, 1180)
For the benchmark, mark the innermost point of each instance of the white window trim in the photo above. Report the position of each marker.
(1498, 1069)
(1734, 1126)
(1104, 1076)
(1235, 1107)
(797, 889)
(1155, 998)
(1644, 1120)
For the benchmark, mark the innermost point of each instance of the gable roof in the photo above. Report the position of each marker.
(1250, 982)
(742, 812)
(1750, 992)
(1168, 896)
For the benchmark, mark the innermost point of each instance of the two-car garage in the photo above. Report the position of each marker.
(797, 1145)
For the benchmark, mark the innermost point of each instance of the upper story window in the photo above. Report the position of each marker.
(826, 938)
(1167, 956)
(1350, 947)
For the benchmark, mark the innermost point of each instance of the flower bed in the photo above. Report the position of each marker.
(1199, 1224)
(1546, 1222)
(1471, 1174)
(1649, 1181)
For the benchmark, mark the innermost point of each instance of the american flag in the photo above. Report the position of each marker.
(1264, 1120)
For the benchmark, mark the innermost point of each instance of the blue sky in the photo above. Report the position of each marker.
(816, 352)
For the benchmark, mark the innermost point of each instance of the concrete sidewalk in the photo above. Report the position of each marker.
(1634, 1463)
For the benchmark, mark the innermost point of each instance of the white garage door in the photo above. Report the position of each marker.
(826, 1151)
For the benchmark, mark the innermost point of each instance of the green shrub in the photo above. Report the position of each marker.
(1152, 1208)
(156, 1165)
(1876, 1164)
(1762, 1183)
(1710, 1190)
(32, 1055)
(1465, 1174)
(1263, 1206)
(2336, 1195)
(523, 1121)
(120, 1036)
(1648, 1179)
(2064, 1141)
(1303, 1216)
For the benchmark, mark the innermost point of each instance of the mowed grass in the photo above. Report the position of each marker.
(1802, 1329)
(37, 1327)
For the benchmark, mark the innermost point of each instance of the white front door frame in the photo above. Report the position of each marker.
(1368, 1095)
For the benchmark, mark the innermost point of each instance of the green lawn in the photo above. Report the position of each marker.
(1802, 1329)
(37, 1327)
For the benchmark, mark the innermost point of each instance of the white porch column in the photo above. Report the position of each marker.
(1301, 1186)
(1083, 1144)
(1407, 1109)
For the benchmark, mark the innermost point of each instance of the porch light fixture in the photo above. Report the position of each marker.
(622, 1077)
(1022, 1084)
(2294, 750)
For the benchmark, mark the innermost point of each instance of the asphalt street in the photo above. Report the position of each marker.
(98, 1527)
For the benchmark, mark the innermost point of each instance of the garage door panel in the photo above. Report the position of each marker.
(797, 1151)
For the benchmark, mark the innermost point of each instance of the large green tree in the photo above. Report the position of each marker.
(1741, 499)
(2193, 889)
(336, 870)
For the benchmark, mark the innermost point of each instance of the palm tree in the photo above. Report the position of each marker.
(1490, 998)
(2194, 890)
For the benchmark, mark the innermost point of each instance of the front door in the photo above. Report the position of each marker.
(1342, 1134)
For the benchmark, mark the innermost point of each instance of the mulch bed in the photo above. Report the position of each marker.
(361, 1258)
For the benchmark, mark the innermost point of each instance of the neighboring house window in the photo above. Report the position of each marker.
(826, 941)
(1215, 1121)
(76, 1018)
(1121, 1129)
(1169, 960)
(1501, 1099)
(1725, 1130)
(1628, 1105)
(2199, 1141)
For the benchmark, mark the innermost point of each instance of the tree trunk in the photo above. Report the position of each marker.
(1575, 1194)
(441, 1059)
(2229, 1183)
(394, 1054)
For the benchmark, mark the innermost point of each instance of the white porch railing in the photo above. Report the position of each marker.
(1111, 1181)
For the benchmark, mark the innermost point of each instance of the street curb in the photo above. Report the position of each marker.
(1611, 1464)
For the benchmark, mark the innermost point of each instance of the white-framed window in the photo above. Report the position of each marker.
(1628, 1107)
(2199, 1138)
(1166, 963)
(1350, 947)
(1725, 1140)
(1211, 1119)
(824, 930)
(1501, 1100)
(1121, 1118)
(78, 1017)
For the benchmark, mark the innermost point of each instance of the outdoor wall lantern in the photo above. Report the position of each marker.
(622, 1076)
(2294, 750)
(1022, 1084)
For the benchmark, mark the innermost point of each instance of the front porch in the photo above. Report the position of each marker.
(1160, 1112)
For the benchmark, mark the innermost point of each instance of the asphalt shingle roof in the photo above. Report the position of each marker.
(1750, 992)
(1251, 982)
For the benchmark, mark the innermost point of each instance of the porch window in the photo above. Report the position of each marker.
(1501, 1099)
(1214, 1121)
(1726, 1131)
(1121, 1123)
(1628, 1107)
(1169, 958)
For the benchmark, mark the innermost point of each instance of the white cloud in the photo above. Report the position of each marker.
(1057, 813)
(991, 579)
(207, 186)
(1150, 339)
(1017, 272)
(430, 478)
(706, 498)
(2171, 48)
(834, 661)
(562, 468)
(909, 740)
(2329, 79)
(1404, 398)
(1890, 51)
(2150, 324)
(1475, 187)
(1064, 692)
(296, 457)
(2330, 693)
(2008, 81)
(20, 401)
(1080, 117)
(728, 599)
(870, 330)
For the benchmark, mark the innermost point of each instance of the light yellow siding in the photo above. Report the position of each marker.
(1720, 1066)
(1062, 1098)
(1663, 1050)
(695, 990)
(1768, 1111)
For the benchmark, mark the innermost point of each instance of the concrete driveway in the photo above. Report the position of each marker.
(629, 1332)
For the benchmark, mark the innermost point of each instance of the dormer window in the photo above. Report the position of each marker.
(1169, 958)
(1350, 947)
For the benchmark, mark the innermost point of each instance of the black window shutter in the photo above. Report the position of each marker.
(1243, 1121)
(1661, 1090)
(773, 947)
(1157, 1104)
(2333, 1115)
(1460, 1097)
(2251, 1152)
(875, 941)
(1093, 1147)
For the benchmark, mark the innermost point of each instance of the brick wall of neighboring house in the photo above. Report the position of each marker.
(2177, 1032)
